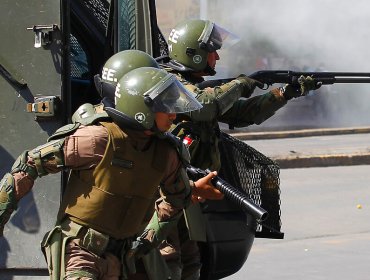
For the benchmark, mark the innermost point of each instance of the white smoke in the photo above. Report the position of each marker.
(302, 35)
(305, 35)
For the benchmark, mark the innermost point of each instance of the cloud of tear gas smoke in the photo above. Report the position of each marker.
(305, 35)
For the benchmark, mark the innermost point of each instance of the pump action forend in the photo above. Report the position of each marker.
(231, 193)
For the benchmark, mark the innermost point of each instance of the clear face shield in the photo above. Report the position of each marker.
(170, 96)
(214, 37)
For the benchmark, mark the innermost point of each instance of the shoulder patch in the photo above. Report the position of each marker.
(64, 131)
(180, 147)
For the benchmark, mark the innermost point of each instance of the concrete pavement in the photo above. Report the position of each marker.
(312, 147)
(324, 215)
(324, 210)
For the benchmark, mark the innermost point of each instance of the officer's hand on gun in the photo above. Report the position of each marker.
(248, 83)
(303, 87)
(203, 189)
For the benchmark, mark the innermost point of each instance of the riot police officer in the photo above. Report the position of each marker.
(193, 46)
(116, 168)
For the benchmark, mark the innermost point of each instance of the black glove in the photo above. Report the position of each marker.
(248, 84)
(4, 218)
(139, 248)
(304, 86)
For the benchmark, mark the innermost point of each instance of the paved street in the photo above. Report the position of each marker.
(316, 151)
(325, 218)
(313, 145)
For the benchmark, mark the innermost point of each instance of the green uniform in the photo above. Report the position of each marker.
(192, 52)
(241, 113)
(220, 104)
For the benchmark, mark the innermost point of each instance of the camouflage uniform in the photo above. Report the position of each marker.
(192, 52)
(243, 112)
(181, 252)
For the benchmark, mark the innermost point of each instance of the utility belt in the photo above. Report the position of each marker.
(94, 241)
(55, 241)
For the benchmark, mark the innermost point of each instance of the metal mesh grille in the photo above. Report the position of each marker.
(257, 176)
(127, 25)
(79, 66)
(99, 9)
(163, 47)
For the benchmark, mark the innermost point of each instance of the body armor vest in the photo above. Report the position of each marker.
(116, 196)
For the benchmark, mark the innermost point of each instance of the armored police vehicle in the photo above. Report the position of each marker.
(49, 53)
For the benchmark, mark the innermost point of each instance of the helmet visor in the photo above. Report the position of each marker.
(214, 37)
(170, 96)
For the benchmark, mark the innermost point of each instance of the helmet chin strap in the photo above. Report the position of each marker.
(209, 70)
(156, 131)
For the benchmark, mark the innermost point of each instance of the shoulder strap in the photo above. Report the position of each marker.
(116, 135)
(117, 139)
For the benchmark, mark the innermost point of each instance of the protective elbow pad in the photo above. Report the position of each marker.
(227, 95)
(51, 152)
(8, 201)
(20, 164)
(7, 193)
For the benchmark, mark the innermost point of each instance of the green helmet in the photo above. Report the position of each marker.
(190, 42)
(117, 66)
(144, 91)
